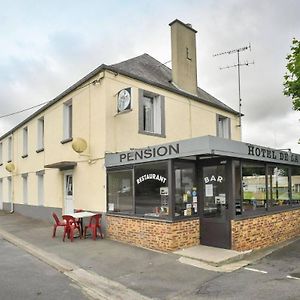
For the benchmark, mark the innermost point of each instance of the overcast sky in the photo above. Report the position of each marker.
(46, 46)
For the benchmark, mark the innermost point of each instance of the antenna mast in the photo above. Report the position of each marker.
(238, 65)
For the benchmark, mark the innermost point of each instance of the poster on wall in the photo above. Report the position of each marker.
(209, 190)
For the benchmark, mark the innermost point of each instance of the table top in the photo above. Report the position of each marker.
(83, 214)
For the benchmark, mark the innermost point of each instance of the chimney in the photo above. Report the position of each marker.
(184, 63)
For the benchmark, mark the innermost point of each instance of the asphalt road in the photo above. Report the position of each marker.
(23, 277)
(276, 276)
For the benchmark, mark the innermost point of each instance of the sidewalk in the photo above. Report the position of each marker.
(107, 269)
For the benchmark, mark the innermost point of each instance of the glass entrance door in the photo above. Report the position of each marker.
(214, 221)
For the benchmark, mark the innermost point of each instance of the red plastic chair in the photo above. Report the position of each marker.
(71, 225)
(94, 225)
(58, 223)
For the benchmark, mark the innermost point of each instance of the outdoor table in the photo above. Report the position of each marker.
(80, 216)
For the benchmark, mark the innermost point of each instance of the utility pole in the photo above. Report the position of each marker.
(238, 65)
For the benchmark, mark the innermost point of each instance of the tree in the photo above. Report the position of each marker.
(292, 77)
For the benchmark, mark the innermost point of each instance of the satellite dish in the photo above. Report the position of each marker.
(79, 145)
(10, 167)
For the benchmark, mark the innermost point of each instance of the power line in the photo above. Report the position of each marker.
(23, 110)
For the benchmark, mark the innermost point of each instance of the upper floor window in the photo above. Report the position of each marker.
(40, 134)
(1, 154)
(67, 134)
(25, 142)
(151, 113)
(9, 149)
(223, 127)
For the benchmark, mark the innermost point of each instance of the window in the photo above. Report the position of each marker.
(1, 154)
(25, 142)
(67, 134)
(151, 114)
(1, 193)
(151, 189)
(254, 186)
(9, 189)
(223, 127)
(40, 134)
(295, 183)
(120, 191)
(40, 182)
(25, 188)
(145, 195)
(185, 190)
(9, 149)
(278, 186)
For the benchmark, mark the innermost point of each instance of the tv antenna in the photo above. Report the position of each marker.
(237, 65)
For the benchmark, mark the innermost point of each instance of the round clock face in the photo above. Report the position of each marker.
(123, 100)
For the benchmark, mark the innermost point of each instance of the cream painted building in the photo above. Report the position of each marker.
(46, 174)
(160, 158)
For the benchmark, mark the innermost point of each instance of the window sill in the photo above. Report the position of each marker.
(39, 150)
(152, 134)
(66, 140)
(24, 156)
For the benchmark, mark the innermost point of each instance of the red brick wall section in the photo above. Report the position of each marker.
(156, 235)
(265, 231)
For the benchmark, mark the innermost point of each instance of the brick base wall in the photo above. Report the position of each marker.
(153, 234)
(265, 231)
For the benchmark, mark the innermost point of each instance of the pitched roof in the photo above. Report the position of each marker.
(148, 69)
(144, 68)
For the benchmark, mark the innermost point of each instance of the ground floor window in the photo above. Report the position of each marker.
(278, 186)
(254, 186)
(186, 194)
(151, 189)
(295, 185)
(120, 191)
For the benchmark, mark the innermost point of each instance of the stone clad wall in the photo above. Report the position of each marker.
(158, 235)
(264, 231)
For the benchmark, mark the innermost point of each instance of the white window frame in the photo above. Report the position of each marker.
(40, 134)
(25, 188)
(9, 149)
(40, 188)
(25, 142)
(223, 127)
(1, 153)
(9, 189)
(67, 120)
(1, 193)
(155, 115)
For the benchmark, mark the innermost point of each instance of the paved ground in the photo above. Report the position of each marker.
(22, 276)
(106, 269)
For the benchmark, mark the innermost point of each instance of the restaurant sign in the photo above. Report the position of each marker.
(151, 176)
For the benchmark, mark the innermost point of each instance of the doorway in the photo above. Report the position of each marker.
(214, 215)
(68, 193)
